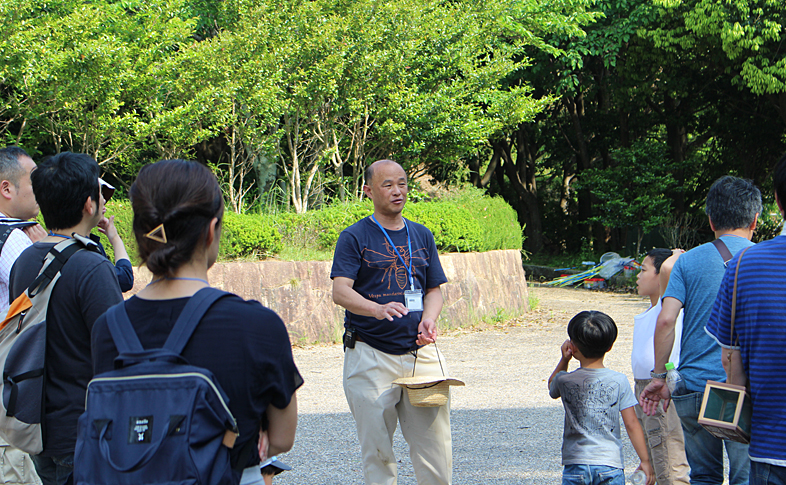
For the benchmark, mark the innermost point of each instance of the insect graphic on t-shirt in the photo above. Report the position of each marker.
(391, 263)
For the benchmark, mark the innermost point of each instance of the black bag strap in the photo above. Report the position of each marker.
(7, 226)
(723, 250)
(126, 339)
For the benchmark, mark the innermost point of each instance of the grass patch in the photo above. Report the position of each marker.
(294, 253)
(532, 299)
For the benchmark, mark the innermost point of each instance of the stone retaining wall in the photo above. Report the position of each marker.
(480, 285)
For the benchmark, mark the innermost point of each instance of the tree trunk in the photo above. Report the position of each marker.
(583, 162)
(677, 139)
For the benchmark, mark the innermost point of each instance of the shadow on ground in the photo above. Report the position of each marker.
(490, 447)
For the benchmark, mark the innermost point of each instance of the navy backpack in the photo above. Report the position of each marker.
(155, 419)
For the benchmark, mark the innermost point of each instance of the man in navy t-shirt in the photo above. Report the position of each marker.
(386, 273)
(67, 189)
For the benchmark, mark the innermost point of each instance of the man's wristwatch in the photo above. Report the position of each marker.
(656, 375)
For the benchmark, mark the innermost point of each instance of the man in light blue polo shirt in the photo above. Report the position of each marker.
(733, 207)
(756, 344)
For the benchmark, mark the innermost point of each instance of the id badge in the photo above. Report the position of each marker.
(414, 300)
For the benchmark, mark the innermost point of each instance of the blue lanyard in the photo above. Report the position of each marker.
(409, 245)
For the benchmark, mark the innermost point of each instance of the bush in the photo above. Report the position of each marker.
(321, 228)
(469, 221)
(242, 235)
(463, 221)
(249, 236)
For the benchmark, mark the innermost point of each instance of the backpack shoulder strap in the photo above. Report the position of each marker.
(55, 259)
(7, 226)
(189, 318)
(723, 250)
(123, 333)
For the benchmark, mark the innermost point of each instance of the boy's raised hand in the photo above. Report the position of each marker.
(567, 350)
(567, 353)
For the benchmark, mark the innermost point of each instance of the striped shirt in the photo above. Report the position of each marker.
(16, 243)
(760, 326)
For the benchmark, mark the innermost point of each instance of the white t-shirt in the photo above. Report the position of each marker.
(642, 357)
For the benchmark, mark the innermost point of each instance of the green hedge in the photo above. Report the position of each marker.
(249, 236)
(467, 221)
(243, 236)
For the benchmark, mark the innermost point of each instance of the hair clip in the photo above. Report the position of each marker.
(158, 234)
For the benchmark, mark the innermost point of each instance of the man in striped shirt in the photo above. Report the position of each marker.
(17, 201)
(758, 341)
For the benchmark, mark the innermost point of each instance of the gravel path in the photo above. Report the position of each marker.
(506, 428)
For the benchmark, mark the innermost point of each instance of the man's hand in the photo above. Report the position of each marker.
(107, 226)
(390, 310)
(655, 392)
(35, 232)
(427, 331)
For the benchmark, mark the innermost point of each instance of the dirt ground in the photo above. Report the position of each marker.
(506, 429)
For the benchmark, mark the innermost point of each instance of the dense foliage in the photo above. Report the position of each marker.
(592, 119)
(464, 221)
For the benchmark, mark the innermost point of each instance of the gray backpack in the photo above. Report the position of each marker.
(22, 350)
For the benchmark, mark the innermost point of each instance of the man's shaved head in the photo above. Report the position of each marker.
(372, 168)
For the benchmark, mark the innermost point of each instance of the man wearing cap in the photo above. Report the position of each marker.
(386, 273)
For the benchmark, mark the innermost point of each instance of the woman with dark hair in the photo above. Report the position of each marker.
(178, 208)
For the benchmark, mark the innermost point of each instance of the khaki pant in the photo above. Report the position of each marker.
(17, 467)
(377, 405)
(665, 442)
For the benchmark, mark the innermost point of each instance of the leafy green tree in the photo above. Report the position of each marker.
(75, 71)
(748, 32)
(633, 192)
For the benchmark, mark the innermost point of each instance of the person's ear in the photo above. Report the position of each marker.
(573, 348)
(90, 206)
(712, 226)
(367, 191)
(213, 231)
(777, 201)
(5, 189)
(755, 221)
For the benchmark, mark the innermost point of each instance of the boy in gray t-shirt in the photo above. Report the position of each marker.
(593, 398)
